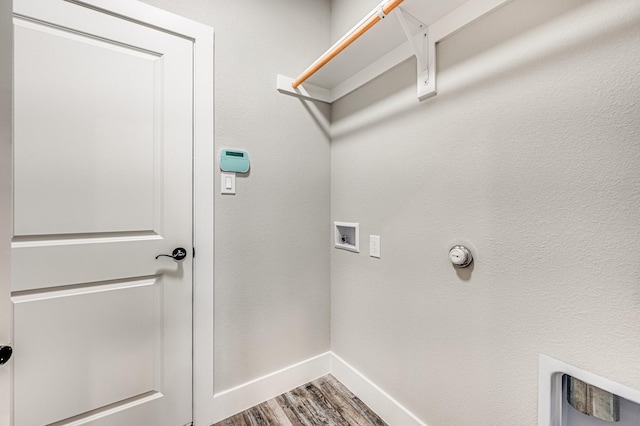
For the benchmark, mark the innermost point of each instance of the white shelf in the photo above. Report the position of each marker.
(386, 45)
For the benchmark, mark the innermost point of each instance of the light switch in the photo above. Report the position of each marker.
(374, 246)
(228, 183)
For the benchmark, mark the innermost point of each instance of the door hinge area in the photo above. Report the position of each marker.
(194, 255)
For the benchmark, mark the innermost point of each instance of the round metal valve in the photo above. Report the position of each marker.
(460, 256)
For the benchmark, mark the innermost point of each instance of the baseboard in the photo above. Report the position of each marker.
(390, 410)
(242, 397)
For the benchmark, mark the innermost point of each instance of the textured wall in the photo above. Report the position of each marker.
(530, 155)
(272, 257)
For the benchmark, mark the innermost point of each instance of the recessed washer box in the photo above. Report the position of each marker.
(347, 236)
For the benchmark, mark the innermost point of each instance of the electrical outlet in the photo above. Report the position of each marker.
(374, 246)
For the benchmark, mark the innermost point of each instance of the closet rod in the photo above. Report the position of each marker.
(373, 18)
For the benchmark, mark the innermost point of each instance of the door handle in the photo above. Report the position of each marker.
(5, 354)
(178, 254)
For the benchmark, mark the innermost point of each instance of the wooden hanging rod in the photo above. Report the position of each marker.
(373, 19)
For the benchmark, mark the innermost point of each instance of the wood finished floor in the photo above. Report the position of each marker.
(324, 401)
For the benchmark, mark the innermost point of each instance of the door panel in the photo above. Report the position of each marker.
(112, 356)
(112, 141)
(102, 184)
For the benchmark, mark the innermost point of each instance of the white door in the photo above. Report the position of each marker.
(6, 85)
(103, 134)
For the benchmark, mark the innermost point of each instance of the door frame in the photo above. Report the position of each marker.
(203, 185)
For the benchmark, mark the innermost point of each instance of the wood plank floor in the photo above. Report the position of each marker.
(324, 401)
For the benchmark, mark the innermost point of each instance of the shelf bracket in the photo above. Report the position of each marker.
(420, 46)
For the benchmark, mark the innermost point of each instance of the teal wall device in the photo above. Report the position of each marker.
(234, 161)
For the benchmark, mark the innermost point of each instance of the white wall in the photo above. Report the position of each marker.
(6, 97)
(530, 155)
(272, 256)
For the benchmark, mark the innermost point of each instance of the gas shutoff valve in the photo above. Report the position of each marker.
(460, 256)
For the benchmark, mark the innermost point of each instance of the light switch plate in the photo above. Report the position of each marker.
(374, 246)
(227, 183)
